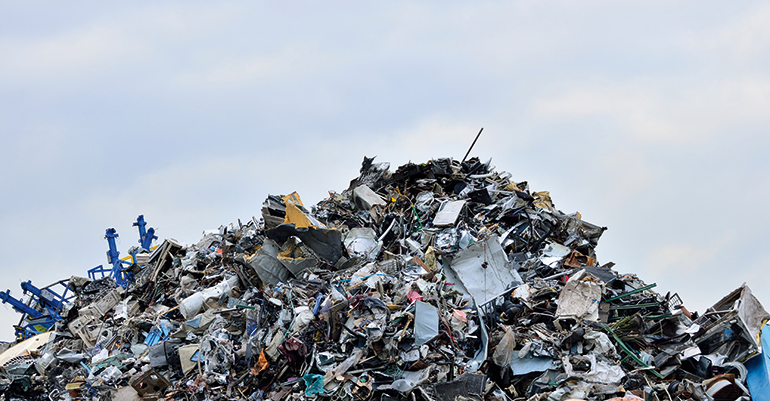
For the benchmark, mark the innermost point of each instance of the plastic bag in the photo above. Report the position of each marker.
(504, 350)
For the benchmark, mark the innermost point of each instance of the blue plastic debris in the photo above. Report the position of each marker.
(758, 378)
(314, 384)
(158, 333)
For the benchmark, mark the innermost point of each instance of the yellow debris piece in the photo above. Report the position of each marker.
(294, 214)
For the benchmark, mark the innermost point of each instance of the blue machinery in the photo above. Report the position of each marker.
(41, 311)
(145, 236)
(118, 272)
(44, 306)
(123, 277)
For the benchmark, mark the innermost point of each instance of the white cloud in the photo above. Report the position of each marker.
(292, 61)
(79, 52)
(112, 42)
(682, 258)
(664, 111)
(635, 108)
(497, 37)
(739, 41)
(626, 175)
(435, 133)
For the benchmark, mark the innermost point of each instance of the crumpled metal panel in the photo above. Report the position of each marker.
(484, 270)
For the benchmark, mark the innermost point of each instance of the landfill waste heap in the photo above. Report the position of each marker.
(440, 281)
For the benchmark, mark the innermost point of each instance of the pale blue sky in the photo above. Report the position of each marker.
(650, 118)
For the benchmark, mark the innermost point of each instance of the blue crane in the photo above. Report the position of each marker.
(122, 277)
(145, 236)
(42, 309)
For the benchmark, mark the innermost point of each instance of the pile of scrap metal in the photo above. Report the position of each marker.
(442, 281)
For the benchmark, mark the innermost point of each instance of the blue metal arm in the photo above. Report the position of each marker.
(145, 235)
(20, 306)
(114, 258)
(46, 296)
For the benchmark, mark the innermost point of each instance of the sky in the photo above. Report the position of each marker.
(649, 118)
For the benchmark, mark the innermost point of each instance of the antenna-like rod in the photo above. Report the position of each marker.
(474, 143)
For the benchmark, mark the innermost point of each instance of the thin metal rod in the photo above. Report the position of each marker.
(474, 143)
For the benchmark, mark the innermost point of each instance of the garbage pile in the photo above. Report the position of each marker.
(441, 281)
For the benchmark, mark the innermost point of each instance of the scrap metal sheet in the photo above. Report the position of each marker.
(484, 270)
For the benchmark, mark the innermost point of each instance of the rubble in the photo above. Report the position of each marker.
(441, 281)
